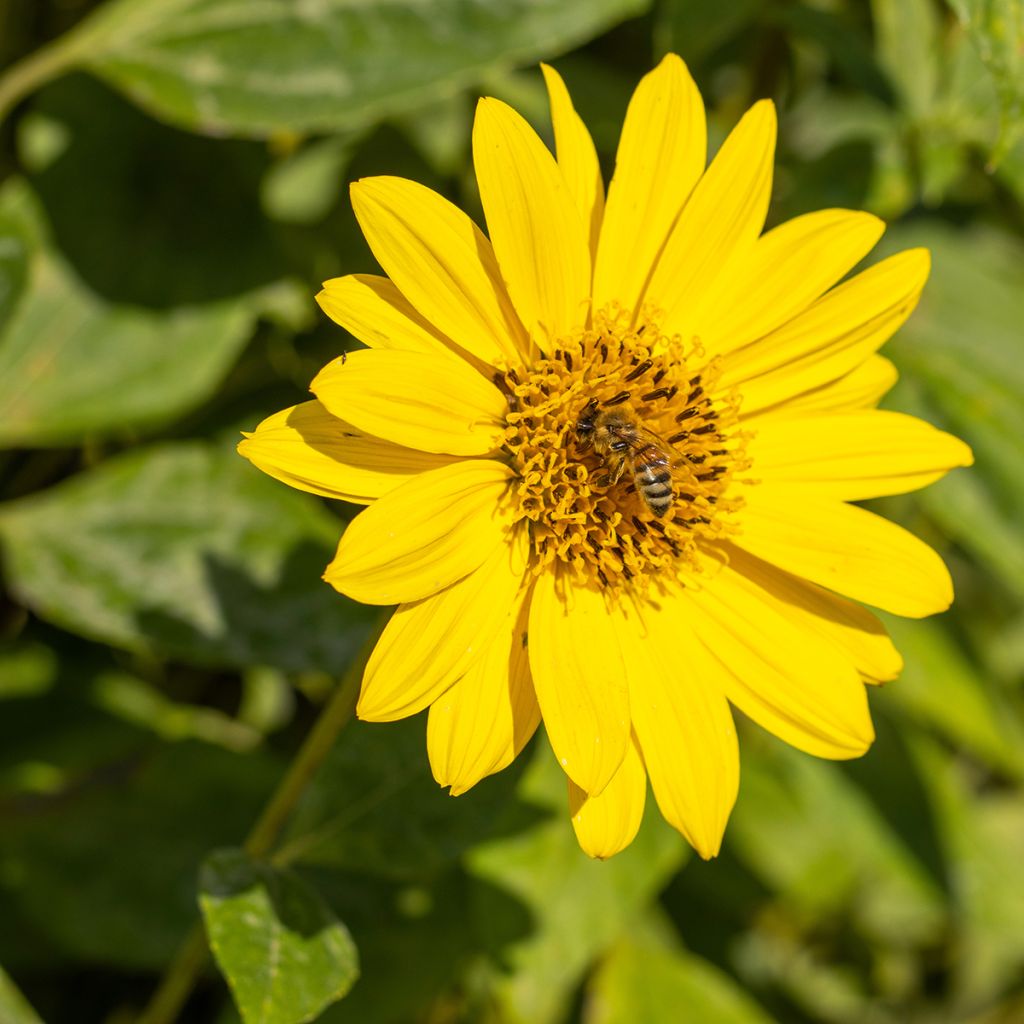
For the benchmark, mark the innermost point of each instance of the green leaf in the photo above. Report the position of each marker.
(826, 847)
(962, 350)
(374, 807)
(284, 953)
(302, 188)
(577, 907)
(105, 866)
(14, 1007)
(27, 670)
(996, 29)
(218, 66)
(185, 549)
(647, 977)
(983, 834)
(74, 364)
(906, 40)
(13, 265)
(940, 686)
(694, 28)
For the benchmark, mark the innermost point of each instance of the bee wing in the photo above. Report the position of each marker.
(648, 438)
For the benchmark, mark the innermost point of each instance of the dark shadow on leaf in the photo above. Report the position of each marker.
(293, 903)
(150, 215)
(375, 807)
(416, 941)
(891, 781)
(292, 621)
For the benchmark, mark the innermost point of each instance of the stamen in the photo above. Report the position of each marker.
(618, 399)
(640, 370)
(652, 395)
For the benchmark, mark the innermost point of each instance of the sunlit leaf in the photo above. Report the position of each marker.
(940, 686)
(996, 29)
(302, 187)
(818, 840)
(647, 977)
(906, 38)
(311, 65)
(14, 1007)
(73, 364)
(283, 952)
(186, 550)
(13, 259)
(984, 836)
(576, 907)
(962, 349)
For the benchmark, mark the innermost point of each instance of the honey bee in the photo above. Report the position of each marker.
(622, 442)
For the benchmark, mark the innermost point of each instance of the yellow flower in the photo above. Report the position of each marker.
(607, 455)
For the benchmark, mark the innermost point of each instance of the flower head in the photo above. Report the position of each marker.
(607, 453)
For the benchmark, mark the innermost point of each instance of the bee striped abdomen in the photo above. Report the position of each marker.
(653, 478)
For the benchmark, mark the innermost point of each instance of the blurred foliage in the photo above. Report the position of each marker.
(173, 192)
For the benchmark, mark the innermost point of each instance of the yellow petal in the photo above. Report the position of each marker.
(858, 633)
(423, 536)
(577, 157)
(831, 338)
(789, 679)
(683, 725)
(846, 549)
(661, 155)
(536, 228)
(608, 823)
(431, 402)
(308, 448)
(783, 273)
(481, 723)
(861, 388)
(429, 644)
(580, 680)
(720, 222)
(441, 262)
(852, 456)
(373, 310)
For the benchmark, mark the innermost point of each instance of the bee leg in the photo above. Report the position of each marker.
(616, 474)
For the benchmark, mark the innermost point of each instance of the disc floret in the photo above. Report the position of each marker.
(599, 527)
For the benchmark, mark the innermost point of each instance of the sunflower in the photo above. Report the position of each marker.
(607, 453)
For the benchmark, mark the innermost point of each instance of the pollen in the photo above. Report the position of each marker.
(586, 509)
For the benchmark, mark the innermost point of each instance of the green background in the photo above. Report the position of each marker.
(172, 192)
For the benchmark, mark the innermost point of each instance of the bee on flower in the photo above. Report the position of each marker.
(608, 452)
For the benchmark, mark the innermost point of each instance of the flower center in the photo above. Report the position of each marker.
(623, 457)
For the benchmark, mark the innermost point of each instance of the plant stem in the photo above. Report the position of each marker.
(38, 68)
(176, 985)
(183, 971)
(334, 717)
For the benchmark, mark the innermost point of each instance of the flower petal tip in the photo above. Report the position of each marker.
(707, 851)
